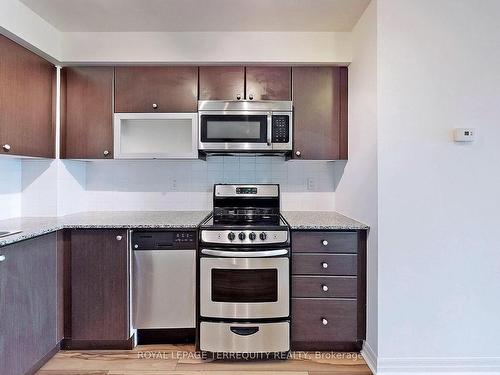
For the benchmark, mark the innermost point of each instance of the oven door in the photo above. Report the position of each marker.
(235, 130)
(244, 288)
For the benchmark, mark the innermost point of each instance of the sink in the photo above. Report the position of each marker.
(5, 233)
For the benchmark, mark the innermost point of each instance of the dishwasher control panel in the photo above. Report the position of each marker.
(164, 239)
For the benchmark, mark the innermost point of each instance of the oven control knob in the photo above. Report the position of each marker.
(263, 236)
(231, 236)
(242, 236)
(252, 236)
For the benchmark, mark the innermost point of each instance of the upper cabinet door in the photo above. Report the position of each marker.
(27, 102)
(87, 113)
(222, 82)
(320, 113)
(156, 89)
(268, 83)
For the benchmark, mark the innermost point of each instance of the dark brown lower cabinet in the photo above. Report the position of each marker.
(328, 290)
(98, 315)
(28, 304)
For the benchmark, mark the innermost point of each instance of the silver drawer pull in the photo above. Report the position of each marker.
(324, 265)
(155, 106)
(325, 288)
(324, 321)
(2, 258)
(324, 242)
(119, 238)
(6, 148)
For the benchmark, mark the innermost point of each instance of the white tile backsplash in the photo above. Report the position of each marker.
(39, 187)
(177, 185)
(10, 188)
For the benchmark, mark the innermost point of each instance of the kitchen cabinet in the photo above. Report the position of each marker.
(156, 89)
(320, 113)
(268, 83)
(87, 112)
(328, 290)
(27, 102)
(99, 288)
(28, 304)
(250, 83)
(222, 82)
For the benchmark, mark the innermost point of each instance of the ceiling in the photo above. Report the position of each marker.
(199, 15)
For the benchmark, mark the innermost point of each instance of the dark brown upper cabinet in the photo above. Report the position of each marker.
(222, 82)
(87, 113)
(320, 113)
(156, 89)
(99, 313)
(268, 83)
(27, 102)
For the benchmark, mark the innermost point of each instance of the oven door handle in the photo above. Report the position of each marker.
(245, 254)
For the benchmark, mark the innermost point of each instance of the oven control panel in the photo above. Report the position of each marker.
(244, 237)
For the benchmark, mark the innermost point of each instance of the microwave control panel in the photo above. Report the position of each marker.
(281, 126)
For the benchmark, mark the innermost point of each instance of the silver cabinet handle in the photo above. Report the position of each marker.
(6, 147)
(324, 265)
(136, 246)
(238, 96)
(325, 288)
(119, 238)
(155, 106)
(105, 153)
(250, 96)
(298, 153)
(2, 258)
(324, 321)
(324, 242)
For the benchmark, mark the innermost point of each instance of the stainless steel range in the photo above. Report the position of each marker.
(244, 273)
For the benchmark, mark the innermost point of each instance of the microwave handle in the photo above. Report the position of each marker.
(269, 128)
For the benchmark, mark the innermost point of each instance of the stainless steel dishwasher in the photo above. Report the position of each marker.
(164, 279)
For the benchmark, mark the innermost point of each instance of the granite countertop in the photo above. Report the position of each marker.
(327, 220)
(37, 226)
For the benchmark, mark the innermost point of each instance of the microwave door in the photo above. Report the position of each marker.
(235, 131)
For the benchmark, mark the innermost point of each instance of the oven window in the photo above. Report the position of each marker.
(255, 285)
(233, 128)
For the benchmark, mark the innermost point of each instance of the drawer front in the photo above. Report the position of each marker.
(325, 264)
(323, 320)
(324, 286)
(245, 337)
(325, 242)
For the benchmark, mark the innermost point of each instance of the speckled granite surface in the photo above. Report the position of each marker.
(328, 220)
(36, 226)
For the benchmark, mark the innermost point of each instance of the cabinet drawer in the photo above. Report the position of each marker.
(307, 320)
(324, 264)
(325, 242)
(324, 286)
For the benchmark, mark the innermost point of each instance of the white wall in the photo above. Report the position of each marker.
(207, 47)
(356, 194)
(439, 250)
(10, 188)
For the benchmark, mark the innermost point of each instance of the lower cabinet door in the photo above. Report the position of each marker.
(28, 303)
(321, 322)
(99, 286)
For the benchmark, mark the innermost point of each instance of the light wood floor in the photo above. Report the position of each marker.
(182, 360)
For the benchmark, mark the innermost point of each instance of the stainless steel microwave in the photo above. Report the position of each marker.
(245, 126)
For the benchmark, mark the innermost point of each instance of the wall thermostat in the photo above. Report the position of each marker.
(464, 134)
